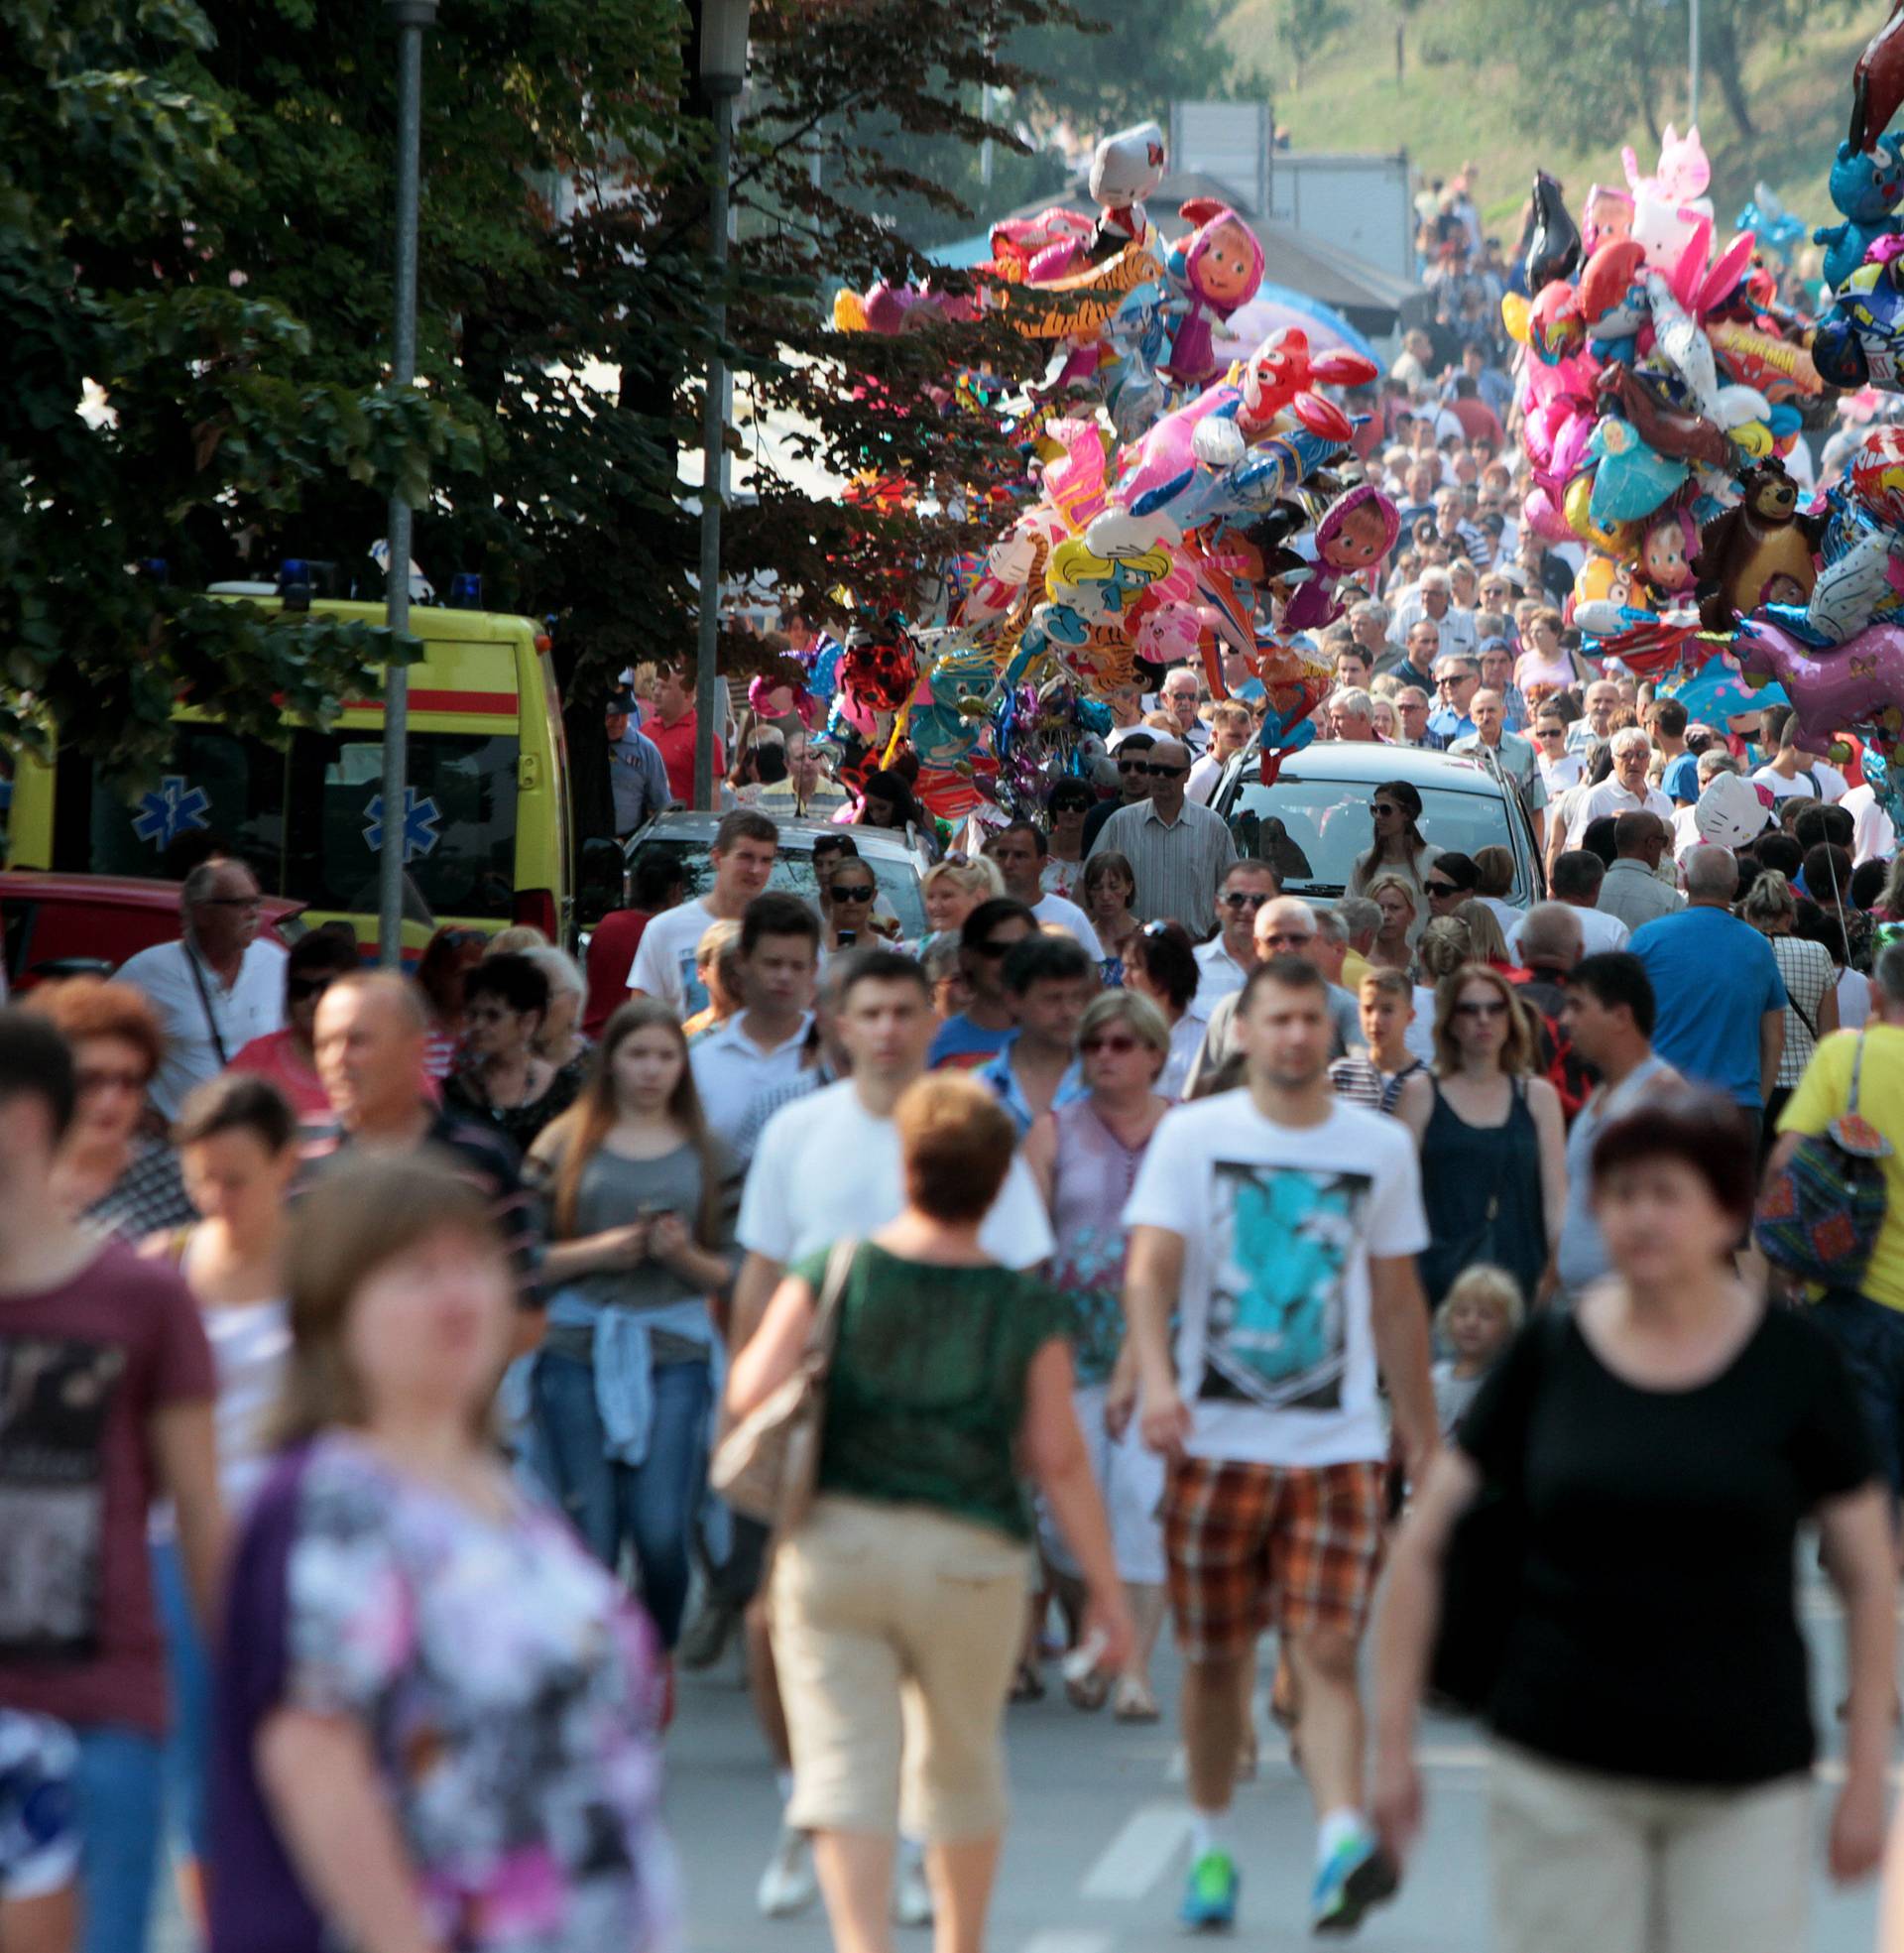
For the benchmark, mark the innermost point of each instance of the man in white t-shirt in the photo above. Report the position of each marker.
(1795, 768)
(764, 1042)
(828, 1166)
(1577, 876)
(1019, 851)
(746, 845)
(217, 987)
(1624, 790)
(1280, 1224)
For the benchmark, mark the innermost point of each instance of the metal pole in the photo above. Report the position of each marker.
(410, 17)
(1692, 63)
(713, 419)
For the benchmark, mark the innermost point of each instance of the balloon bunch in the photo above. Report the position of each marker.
(1173, 497)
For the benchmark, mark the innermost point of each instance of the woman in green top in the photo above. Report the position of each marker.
(909, 1574)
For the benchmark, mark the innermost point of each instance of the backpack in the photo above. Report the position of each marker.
(1820, 1214)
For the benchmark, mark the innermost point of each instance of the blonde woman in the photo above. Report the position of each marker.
(1400, 903)
(1445, 946)
(1494, 1144)
(1484, 933)
(1810, 978)
(951, 889)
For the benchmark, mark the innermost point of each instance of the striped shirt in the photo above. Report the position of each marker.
(1179, 865)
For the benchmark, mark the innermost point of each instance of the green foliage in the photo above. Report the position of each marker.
(1306, 27)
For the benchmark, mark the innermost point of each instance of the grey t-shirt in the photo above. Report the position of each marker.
(1582, 1256)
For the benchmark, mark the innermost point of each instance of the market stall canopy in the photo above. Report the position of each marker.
(1370, 299)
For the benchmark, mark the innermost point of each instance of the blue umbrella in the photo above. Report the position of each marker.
(1717, 692)
(1263, 315)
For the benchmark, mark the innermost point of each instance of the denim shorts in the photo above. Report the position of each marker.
(1871, 1337)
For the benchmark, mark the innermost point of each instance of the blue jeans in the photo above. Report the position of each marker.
(120, 1803)
(1871, 1337)
(188, 1743)
(651, 1506)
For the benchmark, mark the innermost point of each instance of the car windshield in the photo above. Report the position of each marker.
(1315, 830)
(897, 881)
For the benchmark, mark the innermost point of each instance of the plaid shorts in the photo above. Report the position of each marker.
(1254, 1546)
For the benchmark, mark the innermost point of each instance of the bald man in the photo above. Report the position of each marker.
(369, 1045)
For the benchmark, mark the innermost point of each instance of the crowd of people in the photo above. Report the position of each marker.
(365, 1337)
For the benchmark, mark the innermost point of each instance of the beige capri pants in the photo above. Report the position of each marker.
(896, 1632)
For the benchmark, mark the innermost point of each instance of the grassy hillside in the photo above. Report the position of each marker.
(1448, 111)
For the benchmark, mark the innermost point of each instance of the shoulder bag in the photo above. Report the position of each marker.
(766, 1466)
(1820, 1214)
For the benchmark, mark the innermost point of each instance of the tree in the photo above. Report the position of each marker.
(1306, 27)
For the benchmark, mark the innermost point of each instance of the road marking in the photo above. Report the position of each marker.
(1137, 1858)
(1065, 1940)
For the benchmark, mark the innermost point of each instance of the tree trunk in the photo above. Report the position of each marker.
(1402, 39)
(1722, 59)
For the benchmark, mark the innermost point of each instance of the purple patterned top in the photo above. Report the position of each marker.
(510, 1692)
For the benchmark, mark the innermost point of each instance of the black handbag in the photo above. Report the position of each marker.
(1482, 1571)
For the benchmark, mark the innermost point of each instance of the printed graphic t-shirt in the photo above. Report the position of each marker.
(82, 1369)
(665, 960)
(1275, 1345)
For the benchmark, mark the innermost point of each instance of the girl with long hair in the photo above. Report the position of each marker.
(1399, 847)
(623, 1389)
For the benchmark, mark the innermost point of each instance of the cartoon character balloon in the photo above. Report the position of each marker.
(1867, 189)
(1221, 268)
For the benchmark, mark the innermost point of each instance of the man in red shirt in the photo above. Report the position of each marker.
(659, 881)
(673, 727)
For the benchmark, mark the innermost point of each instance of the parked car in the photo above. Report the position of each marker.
(88, 924)
(1314, 823)
(896, 864)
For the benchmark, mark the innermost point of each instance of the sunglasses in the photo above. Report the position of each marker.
(1117, 1046)
(1131, 766)
(1496, 1009)
(1550, 732)
(858, 892)
(990, 948)
(301, 990)
(1441, 888)
(232, 901)
(1244, 899)
(1162, 773)
(85, 1080)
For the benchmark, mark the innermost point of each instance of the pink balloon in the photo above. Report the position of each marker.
(1855, 685)
(1546, 520)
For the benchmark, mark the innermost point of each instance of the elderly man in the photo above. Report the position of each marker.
(217, 987)
(1632, 889)
(1361, 923)
(1127, 714)
(1351, 715)
(1721, 1001)
(1433, 597)
(1600, 700)
(1625, 791)
(1574, 882)
(1547, 945)
(1178, 851)
(1457, 678)
(1369, 625)
(1286, 926)
(1505, 755)
(1226, 959)
(1412, 711)
(1497, 656)
(1180, 695)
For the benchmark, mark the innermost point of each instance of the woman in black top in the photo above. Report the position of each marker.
(1650, 1782)
(501, 1082)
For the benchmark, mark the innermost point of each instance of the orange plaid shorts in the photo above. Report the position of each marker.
(1254, 1546)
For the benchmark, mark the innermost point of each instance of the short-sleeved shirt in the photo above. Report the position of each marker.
(826, 1168)
(84, 1370)
(965, 1046)
(1656, 1635)
(1179, 865)
(275, 1058)
(925, 1396)
(1824, 1092)
(1276, 1341)
(206, 1027)
(1714, 978)
(664, 963)
(730, 1071)
(508, 1688)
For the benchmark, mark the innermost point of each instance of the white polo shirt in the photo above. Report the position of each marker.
(198, 1021)
(1221, 974)
(730, 1071)
(1054, 909)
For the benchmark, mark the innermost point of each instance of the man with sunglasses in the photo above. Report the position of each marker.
(984, 1027)
(1411, 716)
(1284, 927)
(217, 987)
(1226, 959)
(1180, 852)
(1132, 762)
(288, 1057)
(1457, 678)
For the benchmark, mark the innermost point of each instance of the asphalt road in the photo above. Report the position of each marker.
(1095, 1855)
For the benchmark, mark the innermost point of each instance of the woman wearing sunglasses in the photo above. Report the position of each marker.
(1085, 1155)
(1399, 847)
(286, 1057)
(1494, 1145)
(846, 895)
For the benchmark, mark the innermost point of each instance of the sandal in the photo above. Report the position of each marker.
(1088, 1692)
(1133, 1702)
(1028, 1686)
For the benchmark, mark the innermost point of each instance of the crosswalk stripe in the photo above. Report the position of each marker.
(1138, 1856)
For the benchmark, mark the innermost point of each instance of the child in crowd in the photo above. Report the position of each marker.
(1476, 1321)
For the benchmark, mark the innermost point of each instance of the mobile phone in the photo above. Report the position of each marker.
(848, 938)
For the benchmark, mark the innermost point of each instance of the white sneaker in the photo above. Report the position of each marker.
(787, 1887)
(911, 1896)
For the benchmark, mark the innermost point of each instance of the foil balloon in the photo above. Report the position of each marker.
(1220, 268)
(1876, 474)
(1866, 188)
(1860, 340)
(1553, 248)
(1631, 480)
(1877, 81)
(1861, 683)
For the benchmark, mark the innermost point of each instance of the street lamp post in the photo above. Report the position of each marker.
(410, 18)
(723, 68)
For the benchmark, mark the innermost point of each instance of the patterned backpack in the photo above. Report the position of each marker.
(1820, 1214)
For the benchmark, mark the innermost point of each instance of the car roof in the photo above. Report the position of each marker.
(116, 891)
(688, 824)
(1374, 762)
